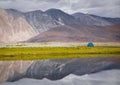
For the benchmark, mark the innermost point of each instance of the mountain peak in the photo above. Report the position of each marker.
(14, 10)
(36, 11)
(53, 10)
(78, 13)
(56, 12)
(57, 15)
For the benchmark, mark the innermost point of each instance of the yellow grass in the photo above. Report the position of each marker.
(37, 53)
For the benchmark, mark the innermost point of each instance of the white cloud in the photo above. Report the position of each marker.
(108, 8)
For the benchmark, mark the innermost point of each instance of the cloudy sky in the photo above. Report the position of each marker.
(107, 8)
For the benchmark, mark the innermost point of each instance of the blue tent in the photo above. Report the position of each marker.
(90, 44)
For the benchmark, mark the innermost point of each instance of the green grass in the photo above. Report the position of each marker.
(38, 53)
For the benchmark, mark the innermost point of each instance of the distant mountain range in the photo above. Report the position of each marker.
(55, 25)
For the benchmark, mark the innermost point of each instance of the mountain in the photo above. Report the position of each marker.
(61, 17)
(14, 13)
(56, 25)
(14, 30)
(78, 27)
(55, 69)
(43, 21)
(87, 19)
(40, 21)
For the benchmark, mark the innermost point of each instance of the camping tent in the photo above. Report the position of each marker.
(90, 44)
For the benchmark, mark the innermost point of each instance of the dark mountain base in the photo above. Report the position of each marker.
(76, 33)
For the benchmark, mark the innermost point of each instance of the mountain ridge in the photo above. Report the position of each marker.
(44, 21)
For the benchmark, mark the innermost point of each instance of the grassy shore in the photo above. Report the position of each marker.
(38, 53)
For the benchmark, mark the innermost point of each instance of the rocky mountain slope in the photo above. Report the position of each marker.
(14, 30)
(87, 19)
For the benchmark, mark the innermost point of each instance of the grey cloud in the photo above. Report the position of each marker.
(93, 3)
(108, 8)
(53, 1)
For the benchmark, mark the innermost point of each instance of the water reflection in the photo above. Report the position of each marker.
(61, 70)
